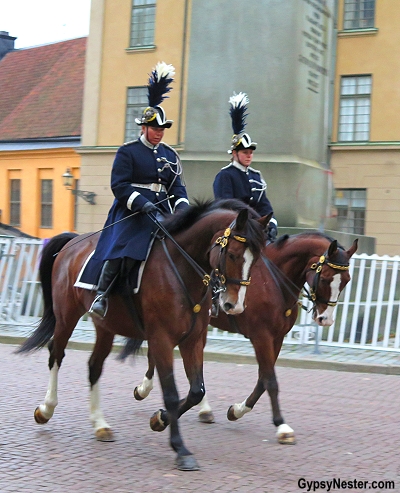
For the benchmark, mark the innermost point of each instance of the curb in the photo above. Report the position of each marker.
(225, 357)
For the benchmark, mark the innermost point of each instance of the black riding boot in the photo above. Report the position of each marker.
(109, 272)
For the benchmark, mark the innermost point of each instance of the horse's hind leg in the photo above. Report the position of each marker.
(102, 348)
(265, 354)
(44, 412)
(143, 390)
(205, 412)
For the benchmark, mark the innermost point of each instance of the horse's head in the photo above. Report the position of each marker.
(232, 256)
(326, 279)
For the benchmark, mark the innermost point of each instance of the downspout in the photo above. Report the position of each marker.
(183, 65)
(332, 72)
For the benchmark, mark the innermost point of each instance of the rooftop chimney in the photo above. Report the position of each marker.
(6, 43)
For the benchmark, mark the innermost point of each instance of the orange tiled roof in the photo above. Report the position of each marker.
(41, 91)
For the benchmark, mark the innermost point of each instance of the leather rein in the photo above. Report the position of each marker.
(311, 294)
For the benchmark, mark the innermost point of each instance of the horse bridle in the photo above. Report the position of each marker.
(219, 279)
(312, 294)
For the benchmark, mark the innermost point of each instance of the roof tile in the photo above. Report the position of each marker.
(42, 91)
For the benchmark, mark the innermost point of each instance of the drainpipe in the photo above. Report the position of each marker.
(183, 66)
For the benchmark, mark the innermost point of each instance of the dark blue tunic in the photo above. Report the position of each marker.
(247, 184)
(139, 162)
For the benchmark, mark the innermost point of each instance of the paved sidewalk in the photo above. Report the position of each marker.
(241, 351)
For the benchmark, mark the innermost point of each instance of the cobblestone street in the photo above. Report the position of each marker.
(346, 425)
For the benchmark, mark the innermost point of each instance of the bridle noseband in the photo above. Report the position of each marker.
(312, 294)
(218, 276)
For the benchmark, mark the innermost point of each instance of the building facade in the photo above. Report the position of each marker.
(40, 128)
(365, 148)
(281, 58)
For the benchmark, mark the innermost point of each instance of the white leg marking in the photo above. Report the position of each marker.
(240, 410)
(145, 387)
(204, 406)
(51, 399)
(326, 318)
(284, 428)
(96, 414)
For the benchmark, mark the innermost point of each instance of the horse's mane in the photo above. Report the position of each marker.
(182, 220)
(319, 234)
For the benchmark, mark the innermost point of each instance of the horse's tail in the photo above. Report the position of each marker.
(45, 330)
(131, 347)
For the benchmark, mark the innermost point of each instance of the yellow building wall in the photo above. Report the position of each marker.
(31, 167)
(374, 52)
(112, 67)
(122, 67)
(374, 165)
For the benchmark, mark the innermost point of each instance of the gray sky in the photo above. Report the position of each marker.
(37, 22)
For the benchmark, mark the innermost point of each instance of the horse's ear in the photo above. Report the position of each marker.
(265, 220)
(352, 250)
(242, 219)
(332, 248)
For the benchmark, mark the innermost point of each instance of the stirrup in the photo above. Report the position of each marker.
(98, 298)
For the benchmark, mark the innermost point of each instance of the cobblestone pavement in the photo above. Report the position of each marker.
(346, 424)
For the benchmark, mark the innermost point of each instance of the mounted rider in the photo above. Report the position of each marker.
(238, 179)
(145, 178)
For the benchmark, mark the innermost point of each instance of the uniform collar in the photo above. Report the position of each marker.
(237, 165)
(145, 142)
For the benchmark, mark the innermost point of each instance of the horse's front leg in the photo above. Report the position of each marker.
(143, 390)
(102, 348)
(164, 363)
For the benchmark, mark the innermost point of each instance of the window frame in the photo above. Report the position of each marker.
(359, 19)
(143, 15)
(46, 205)
(135, 104)
(15, 202)
(354, 221)
(360, 130)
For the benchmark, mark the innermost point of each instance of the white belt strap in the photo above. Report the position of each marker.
(154, 187)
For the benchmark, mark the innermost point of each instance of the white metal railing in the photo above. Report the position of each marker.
(367, 315)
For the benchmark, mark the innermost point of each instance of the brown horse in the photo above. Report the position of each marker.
(272, 306)
(205, 246)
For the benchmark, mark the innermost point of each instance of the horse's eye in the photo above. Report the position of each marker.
(324, 281)
(231, 256)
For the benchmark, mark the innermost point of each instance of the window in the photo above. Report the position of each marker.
(355, 108)
(137, 102)
(15, 202)
(351, 207)
(46, 204)
(359, 14)
(143, 21)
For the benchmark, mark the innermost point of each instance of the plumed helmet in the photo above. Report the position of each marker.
(158, 86)
(238, 107)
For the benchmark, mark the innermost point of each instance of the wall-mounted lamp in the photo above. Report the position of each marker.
(68, 181)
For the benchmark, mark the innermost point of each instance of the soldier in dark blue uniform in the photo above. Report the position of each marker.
(239, 180)
(145, 177)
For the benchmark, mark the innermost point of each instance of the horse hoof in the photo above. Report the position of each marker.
(39, 418)
(105, 435)
(287, 439)
(230, 414)
(136, 395)
(157, 423)
(187, 463)
(206, 417)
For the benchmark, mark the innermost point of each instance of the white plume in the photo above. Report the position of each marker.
(164, 70)
(237, 100)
